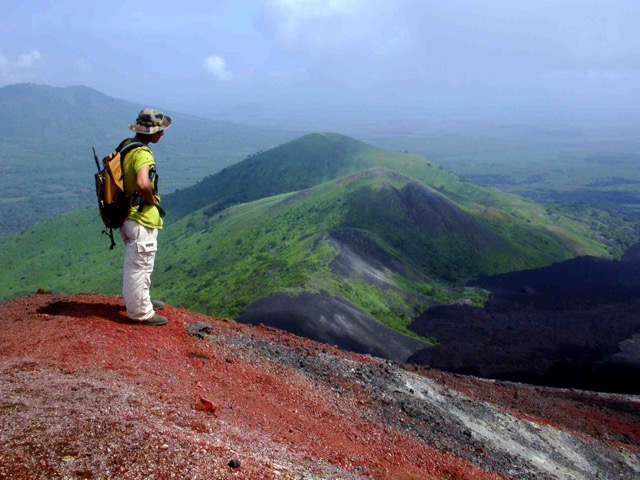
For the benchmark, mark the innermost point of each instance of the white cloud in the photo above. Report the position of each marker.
(217, 67)
(595, 75)
(27, 60)
(21, 69)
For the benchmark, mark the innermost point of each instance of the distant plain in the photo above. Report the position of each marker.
(562, 164)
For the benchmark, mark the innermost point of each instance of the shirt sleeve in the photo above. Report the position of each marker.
(142, 157)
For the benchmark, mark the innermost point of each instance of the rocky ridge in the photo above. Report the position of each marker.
(84, 394)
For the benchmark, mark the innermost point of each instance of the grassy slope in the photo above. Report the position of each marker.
(296, 165)
(66, 253)
(220, 263)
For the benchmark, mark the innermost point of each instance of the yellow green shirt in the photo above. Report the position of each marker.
(134, 161)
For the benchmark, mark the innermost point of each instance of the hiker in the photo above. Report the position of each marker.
(139, 231)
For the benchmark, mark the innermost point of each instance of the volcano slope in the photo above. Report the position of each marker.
(571, 324)
(85, 395)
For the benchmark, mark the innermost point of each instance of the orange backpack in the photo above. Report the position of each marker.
(113, 204)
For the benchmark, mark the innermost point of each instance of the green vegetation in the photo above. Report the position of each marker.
(299, 164)
(63, 254)
(316, 158)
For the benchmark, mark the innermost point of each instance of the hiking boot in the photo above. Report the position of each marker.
(155, 321)
(157, 304)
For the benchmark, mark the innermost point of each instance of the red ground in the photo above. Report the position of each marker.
(86, 395)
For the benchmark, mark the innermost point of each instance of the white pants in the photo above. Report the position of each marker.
(140, 245)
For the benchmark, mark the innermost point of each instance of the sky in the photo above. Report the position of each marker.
(356, 60)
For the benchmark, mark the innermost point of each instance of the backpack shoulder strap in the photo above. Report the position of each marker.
(123, 143)
(125, 148)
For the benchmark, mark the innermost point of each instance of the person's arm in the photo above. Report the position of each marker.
(144, 187)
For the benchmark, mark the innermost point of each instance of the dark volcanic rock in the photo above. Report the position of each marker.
(573, 324)
(199, 329)
(331, 320)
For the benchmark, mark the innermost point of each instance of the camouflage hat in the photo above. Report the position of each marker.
(151, 121)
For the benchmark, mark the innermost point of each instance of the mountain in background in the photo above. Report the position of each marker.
(39, 115)
(46, 135)
(296, 165)
(47, 115)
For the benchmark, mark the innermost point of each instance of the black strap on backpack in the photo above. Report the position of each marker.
(140, 202)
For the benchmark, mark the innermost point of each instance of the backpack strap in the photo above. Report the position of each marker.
(124, 148)
(110, 235)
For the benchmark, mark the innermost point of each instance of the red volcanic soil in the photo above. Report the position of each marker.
(84, 394)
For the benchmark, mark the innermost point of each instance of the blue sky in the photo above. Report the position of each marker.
(355, 59)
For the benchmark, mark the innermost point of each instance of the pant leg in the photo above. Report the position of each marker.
(140, 251)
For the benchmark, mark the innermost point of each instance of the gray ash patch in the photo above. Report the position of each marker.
(333, 321)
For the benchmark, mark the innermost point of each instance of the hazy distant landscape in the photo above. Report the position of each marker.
(557, 164)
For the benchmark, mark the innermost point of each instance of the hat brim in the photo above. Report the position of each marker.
(151, 130)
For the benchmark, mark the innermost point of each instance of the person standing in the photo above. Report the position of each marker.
(140, 230)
